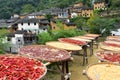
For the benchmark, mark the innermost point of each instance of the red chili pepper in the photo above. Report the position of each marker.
(73, 41)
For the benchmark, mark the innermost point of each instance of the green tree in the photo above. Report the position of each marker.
(87, 2)
(27, 8)
(44, 37)
(100, 25)
(6, 13)
(60, 24)
(49, 16)
(79, 21)
(115, 4)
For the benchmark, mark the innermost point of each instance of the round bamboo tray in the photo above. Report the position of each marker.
(92, 35)
(63, 45)
(80, 39)
(109, 48)
(45, 53)
(12, 57)
(86, 37)
(108, 56)
(103, 71)
(113, 38)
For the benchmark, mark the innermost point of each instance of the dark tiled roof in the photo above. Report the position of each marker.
(28, 20)
(43, 27)
(98, 2)
(24, 14)
(87, 8)
(6, 23)
(10, 35)
(77, 2)
(53, 11)
(2, 21)
(20, 32)
(70, 24)
(44, 21)
(78, 8)
(36, 14)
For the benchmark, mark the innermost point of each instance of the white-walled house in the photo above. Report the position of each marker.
(28, 24)
(58, 12)
(14, 41)
(117, 32)
(32, 25)
(19, 39)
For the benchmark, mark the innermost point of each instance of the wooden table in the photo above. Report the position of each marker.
(84, 47)
(90, 43)
(51, 55)
(68, 47)
(96, 36)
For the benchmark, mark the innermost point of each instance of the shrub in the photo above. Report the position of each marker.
(44, 37)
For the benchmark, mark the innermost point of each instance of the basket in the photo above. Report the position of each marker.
(101, 55)
(64, 45)
(103, 71)
(45, 53)
(109, 48)
(21, 58)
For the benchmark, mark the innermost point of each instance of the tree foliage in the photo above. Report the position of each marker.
(9, 7)
(27, 8)
(101, 26)
(79, 21)
(115, 4)
(55, 35)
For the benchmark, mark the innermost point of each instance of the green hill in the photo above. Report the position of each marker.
(10, 7)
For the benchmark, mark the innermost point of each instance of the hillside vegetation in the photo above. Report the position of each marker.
(10, 7)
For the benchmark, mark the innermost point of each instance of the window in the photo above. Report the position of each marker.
(54, 27)
(34, 23)
(21, 23)
(44, 29)
(28, 23)
(8, 39)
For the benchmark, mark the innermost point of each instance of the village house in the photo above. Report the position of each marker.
(78, 4)
(31, 24)
(23, 32)
(87, 12)
(21, 16)
(79, 9)
(6, 23)
(66, 25)
(117, 31)
(55, 12)
(99, 5)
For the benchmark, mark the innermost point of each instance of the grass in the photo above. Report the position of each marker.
(3, 32)
(75, 66)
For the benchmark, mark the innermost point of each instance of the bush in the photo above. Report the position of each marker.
(66, 33)
(55, 35)
(44, 37)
